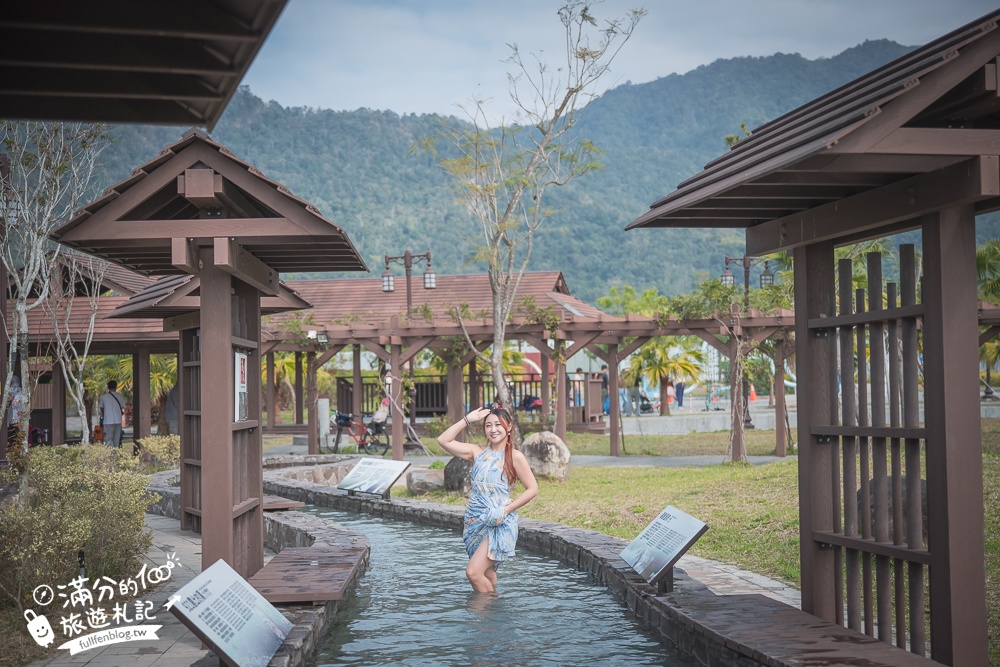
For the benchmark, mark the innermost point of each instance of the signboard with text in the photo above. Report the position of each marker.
(373, 476)
(228, 614)
(661, 544)
(241, 396)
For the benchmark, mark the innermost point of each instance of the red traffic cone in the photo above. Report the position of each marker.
(753, 393)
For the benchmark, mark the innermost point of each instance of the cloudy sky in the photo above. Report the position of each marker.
(426, 56)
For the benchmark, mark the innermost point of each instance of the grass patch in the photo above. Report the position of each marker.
(991, 506)
(759, 443)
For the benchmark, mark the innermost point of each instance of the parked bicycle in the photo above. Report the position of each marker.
(370, 437)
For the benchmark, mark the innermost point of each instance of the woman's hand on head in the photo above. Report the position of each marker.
(478, 415)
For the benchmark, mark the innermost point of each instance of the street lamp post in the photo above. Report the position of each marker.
(388, 285)
(766, 279)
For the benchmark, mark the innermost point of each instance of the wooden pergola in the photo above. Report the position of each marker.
(356, 313)
(914, 144)
(197, 209)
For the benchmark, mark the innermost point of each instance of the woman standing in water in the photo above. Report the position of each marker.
(491, 516)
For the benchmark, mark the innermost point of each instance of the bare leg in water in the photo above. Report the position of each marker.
(481, 570)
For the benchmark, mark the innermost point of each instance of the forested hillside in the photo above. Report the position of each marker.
(359, 168)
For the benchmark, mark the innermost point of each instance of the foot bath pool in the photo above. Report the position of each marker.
(414, 606)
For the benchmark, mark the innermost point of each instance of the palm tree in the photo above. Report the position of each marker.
(665, 360)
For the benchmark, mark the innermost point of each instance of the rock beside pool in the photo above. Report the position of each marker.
(548, 456)
(423, 480)
(458, 476)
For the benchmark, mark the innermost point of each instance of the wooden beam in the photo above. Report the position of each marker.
(469, 356)
(581, 344)
(190, 320)
(988, 335)
(939, 141)
(722, 348)
(184, 255)
(966, 182)
(128, 232)
(237, 262)
(414, 347)
(198, 187)
(375, 349)
(632, 347)
(329, 354)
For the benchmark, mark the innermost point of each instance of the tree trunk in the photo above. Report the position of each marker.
(664, 398)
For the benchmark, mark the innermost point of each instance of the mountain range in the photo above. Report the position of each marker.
(360, 169)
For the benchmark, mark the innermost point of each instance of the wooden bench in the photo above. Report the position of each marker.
(274, 503)
(313, 574)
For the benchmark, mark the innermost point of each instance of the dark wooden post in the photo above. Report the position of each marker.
(456, 400)
(312, 403)
(357, 394)
(736, 399)
(58, 434)
(814, 297)
(217, 491)
(543, 358)
(299, 393)
(141, 395)
(614, 403)
(954, 442)
(561, 393)
(780, 434)
(272, 394)
(396, 351)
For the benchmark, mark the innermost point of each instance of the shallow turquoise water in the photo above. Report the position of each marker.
(414, 606)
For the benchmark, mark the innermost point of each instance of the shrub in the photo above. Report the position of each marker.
(74, 498)
(435, 465)
(164, 451)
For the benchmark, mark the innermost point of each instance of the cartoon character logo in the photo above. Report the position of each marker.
(39, 628)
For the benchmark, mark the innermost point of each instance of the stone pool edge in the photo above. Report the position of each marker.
(281, 530)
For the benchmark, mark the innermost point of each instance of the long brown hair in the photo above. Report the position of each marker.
(508, 450)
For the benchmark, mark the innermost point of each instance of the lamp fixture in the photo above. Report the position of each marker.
(727, 277)
(766, 278)
(388, 283)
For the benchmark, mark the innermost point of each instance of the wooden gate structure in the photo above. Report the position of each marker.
(199, 210)
(914, 144)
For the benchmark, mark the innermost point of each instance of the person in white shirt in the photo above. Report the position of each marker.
(112, 410)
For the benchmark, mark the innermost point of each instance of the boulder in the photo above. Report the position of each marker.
(458, 476)
(424, 480)
(547, 455)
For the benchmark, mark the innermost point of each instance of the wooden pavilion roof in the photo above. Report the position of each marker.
(172, 62)
(361, 300)
(172, 198)
(178, 295)
(110, 336)
(866, 145)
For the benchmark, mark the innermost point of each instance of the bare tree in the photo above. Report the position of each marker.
(502, 170)
(76, 284)
(51, 170)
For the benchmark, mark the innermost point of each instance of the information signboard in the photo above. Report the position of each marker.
(241, 396)
(661, 544)
(228, 614)
(373, 476)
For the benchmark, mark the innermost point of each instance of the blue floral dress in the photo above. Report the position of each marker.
(490, 493)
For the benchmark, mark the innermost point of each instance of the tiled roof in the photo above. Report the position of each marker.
(362, 300)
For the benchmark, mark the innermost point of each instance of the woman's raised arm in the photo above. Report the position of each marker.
(462, 450)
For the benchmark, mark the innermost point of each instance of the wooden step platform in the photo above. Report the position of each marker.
(273, 503)
(313, 574)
